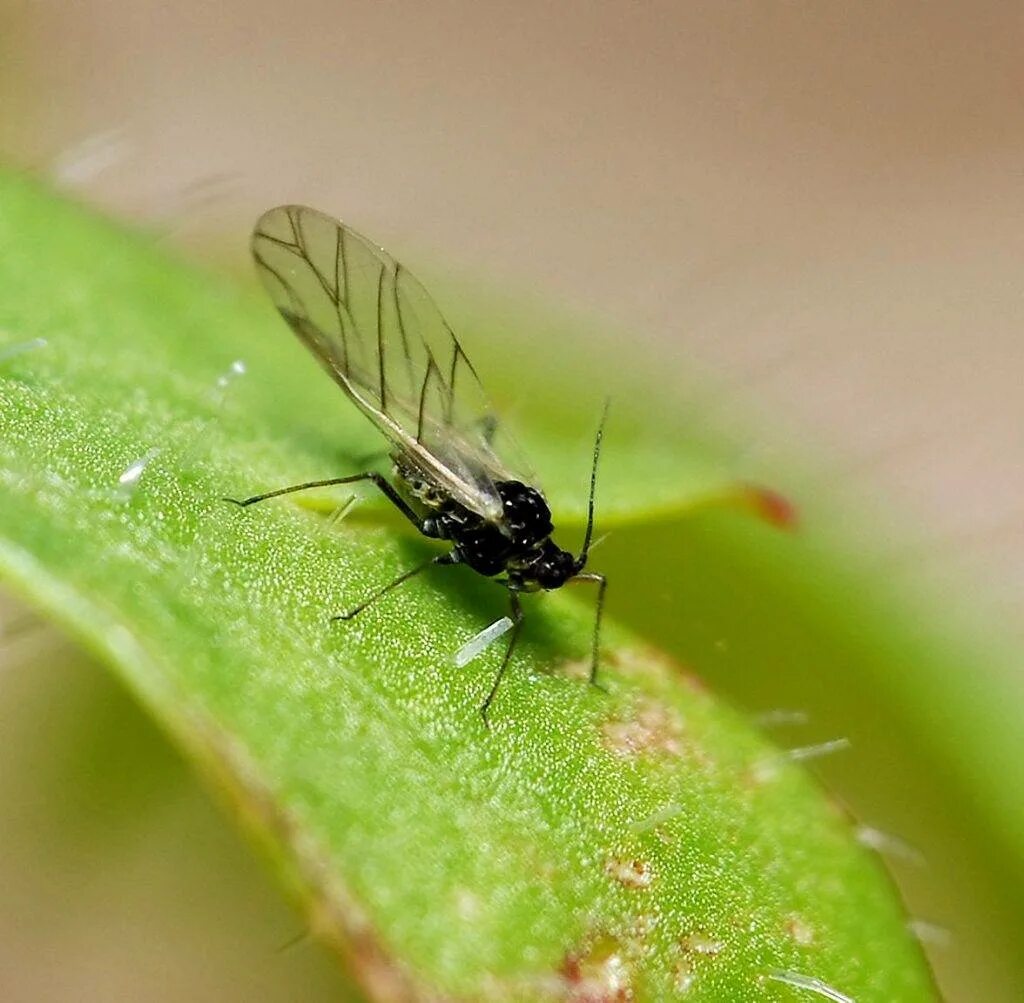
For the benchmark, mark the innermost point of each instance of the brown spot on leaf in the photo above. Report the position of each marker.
(685, 976)
(641, 662)
(701, 943)
(598, 972)
(650, 727)
(576, 668)
(645, 664)
(697, 949)
(799, 929)
(631, 873)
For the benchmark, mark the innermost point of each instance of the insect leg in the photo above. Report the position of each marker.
(602, 586)
(378, 479)
(516, 612)
(441, 559)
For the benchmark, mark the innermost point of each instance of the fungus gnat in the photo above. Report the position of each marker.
(374, 328)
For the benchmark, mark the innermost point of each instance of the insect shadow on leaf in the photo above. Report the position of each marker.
(376, 331)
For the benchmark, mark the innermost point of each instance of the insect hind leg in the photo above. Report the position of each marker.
(379, 480)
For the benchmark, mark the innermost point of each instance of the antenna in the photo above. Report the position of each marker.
(582, 559)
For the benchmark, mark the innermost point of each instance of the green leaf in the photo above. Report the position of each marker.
(590, 845)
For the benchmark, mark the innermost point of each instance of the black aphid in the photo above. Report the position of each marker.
(376, 331)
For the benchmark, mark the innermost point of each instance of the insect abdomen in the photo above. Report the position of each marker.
(422, 490)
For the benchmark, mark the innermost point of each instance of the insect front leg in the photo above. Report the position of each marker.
(602, 586)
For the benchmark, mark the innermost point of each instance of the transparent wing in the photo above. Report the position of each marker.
(377, 332)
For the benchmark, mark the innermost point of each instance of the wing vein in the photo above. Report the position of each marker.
(377, 332)
(380, 342)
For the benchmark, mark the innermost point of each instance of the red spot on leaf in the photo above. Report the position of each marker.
(772, 506)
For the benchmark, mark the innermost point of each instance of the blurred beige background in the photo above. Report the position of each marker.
(818, 206)
(819, 203)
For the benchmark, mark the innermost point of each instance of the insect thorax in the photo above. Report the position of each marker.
(519, 544)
